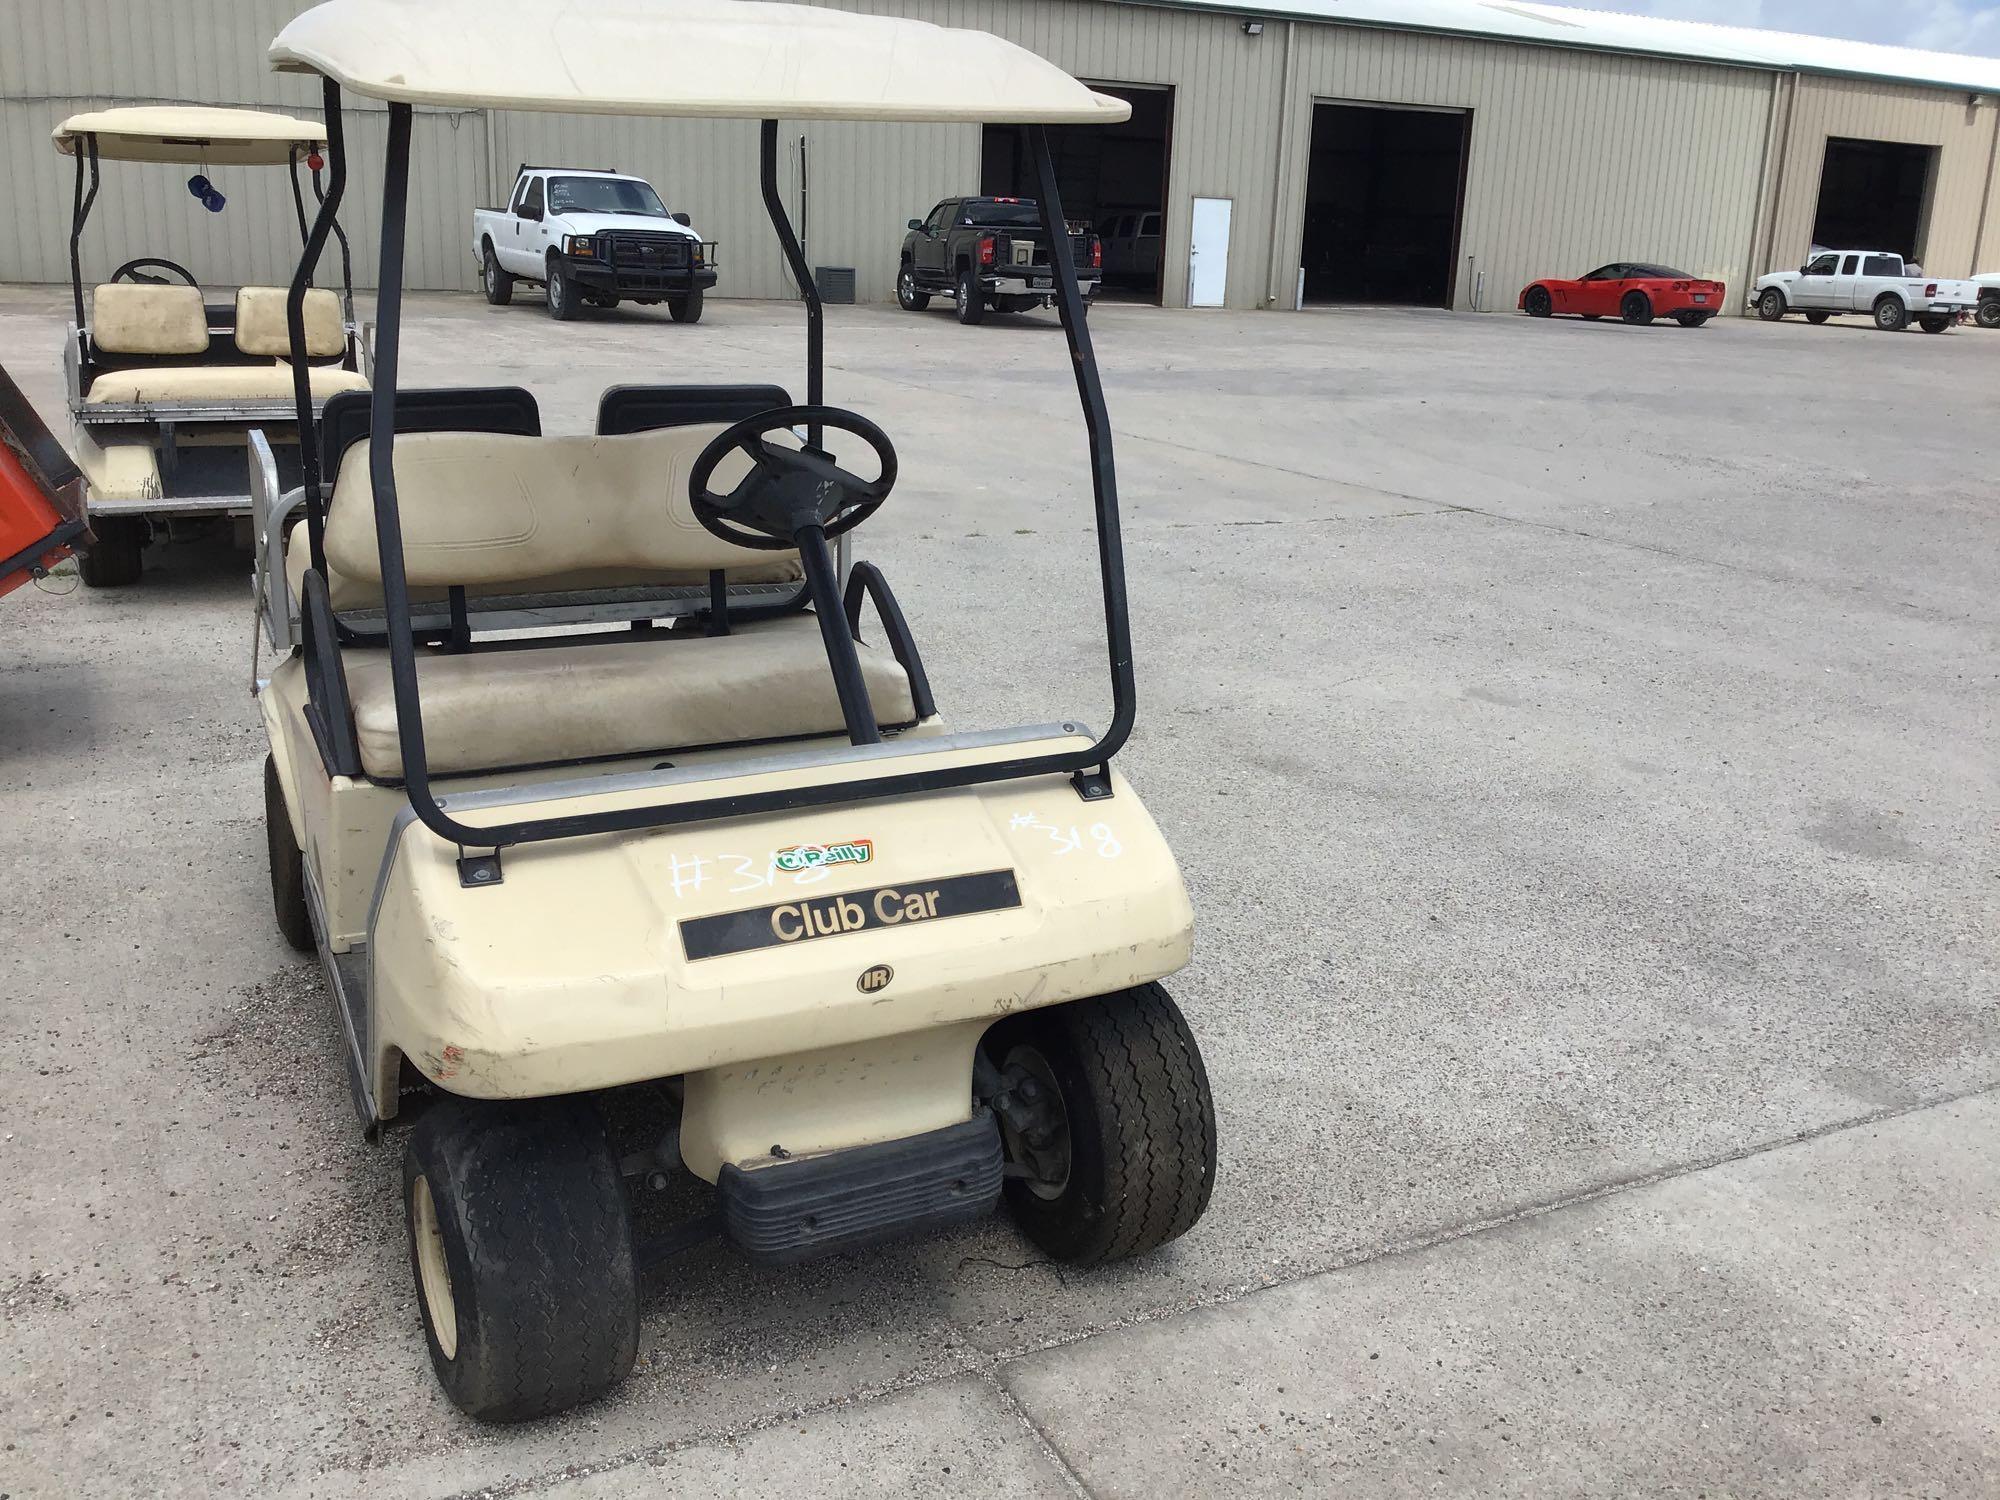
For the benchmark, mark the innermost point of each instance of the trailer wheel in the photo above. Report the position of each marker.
(1817, 318)
(564, 297)
(1988, 315)
(1890, 314)
(971, 299)
(686, 309)
(1934, 322)
(1771, 304)
(521, 1246)
(114, 560)
(1119, 1150)
(499, 286)
(288, 864)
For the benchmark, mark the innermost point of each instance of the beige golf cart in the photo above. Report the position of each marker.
(583, 775)
(164, 384)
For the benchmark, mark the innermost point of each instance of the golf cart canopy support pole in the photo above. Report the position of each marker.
(295, 320)
(80, 211)
(795, 257)
(1086, 766)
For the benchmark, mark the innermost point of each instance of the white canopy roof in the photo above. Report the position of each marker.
(193, 134)
(738, 59)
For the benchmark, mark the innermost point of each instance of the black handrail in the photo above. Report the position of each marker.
(295, 324)
(1093, 759)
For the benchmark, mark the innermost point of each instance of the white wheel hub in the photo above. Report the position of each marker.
(433, 1271)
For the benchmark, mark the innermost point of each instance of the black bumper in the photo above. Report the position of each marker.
(671, 281)
(796, 1210)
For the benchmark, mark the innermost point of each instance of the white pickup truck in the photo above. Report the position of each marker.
(1875, 282)
(595, 237)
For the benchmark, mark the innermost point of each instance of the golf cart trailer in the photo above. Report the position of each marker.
(585, 784)
(164, 385)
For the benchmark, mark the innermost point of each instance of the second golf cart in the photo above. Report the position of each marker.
(885, 972)
(163, 384)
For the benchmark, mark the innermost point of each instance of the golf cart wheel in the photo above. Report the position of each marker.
(1988, 315)
(1817, 318)
(1771, 304)
(521, 1246)
(1636, 308)
(907, 295)
(565, 297)
(1122, 1157)
(498, 285)
(971, 299)
(1538, 302)
(1934, 322)
(288, 864)
(686, 309)
(1890, 314)
(114, 560)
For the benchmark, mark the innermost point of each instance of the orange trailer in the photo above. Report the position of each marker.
(41, 494)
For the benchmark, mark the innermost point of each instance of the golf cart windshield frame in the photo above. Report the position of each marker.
(88, 174)
(1088, 766)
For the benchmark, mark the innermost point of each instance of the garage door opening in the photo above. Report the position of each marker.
(1384, 191)
(1113, 177)
(1872, 196)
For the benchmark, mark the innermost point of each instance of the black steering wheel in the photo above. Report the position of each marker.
(130, 272)
(789, 489)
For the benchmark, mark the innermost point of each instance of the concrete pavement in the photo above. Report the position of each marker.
(1579, 744)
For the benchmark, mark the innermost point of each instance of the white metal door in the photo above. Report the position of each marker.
(1208, 252)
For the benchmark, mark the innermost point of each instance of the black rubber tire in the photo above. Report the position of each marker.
(1591, 317)
(117, 558)
(971, 297)
(1141, 1125)
(685, 309)
(1817, 318)
(907, 296)
(564, 296)
(288, 864)
(534, 1229)
(1771, 304)
(497, 284)
(1690, 319)
(1988, 315)
(1934, 324)
(1635, 308)
(1890, 314)
(1538, 303)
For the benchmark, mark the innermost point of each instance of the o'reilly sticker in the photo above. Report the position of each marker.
(819, 856)
(815, 917)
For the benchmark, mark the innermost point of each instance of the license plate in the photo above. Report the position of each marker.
(1701, 296)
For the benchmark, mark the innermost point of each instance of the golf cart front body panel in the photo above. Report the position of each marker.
(482, 990)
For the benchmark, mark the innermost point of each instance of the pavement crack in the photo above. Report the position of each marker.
(1072, 1480)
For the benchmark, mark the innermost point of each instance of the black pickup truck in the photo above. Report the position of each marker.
(988, 252)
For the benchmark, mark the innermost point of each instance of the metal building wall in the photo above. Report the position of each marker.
(1965, 128)
(1576, 158)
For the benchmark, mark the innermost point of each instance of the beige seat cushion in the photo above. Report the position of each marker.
(193, 383)
(130, 318)
(483, 509)
(485, 710)
(261, 327)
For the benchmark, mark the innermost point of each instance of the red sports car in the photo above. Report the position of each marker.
(1630, 291)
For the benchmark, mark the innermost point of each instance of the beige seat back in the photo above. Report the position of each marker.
(261, 328)
(504, 514)
(132, 318)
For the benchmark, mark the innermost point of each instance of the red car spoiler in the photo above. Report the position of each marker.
(41, 493)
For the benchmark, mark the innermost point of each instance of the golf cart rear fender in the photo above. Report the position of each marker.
(287, 679)
(119, 469)
(573, 972)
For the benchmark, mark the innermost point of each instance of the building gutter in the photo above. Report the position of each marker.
(1274, 289)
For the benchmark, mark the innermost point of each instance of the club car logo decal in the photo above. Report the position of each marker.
(819, 856)
(804, 921)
